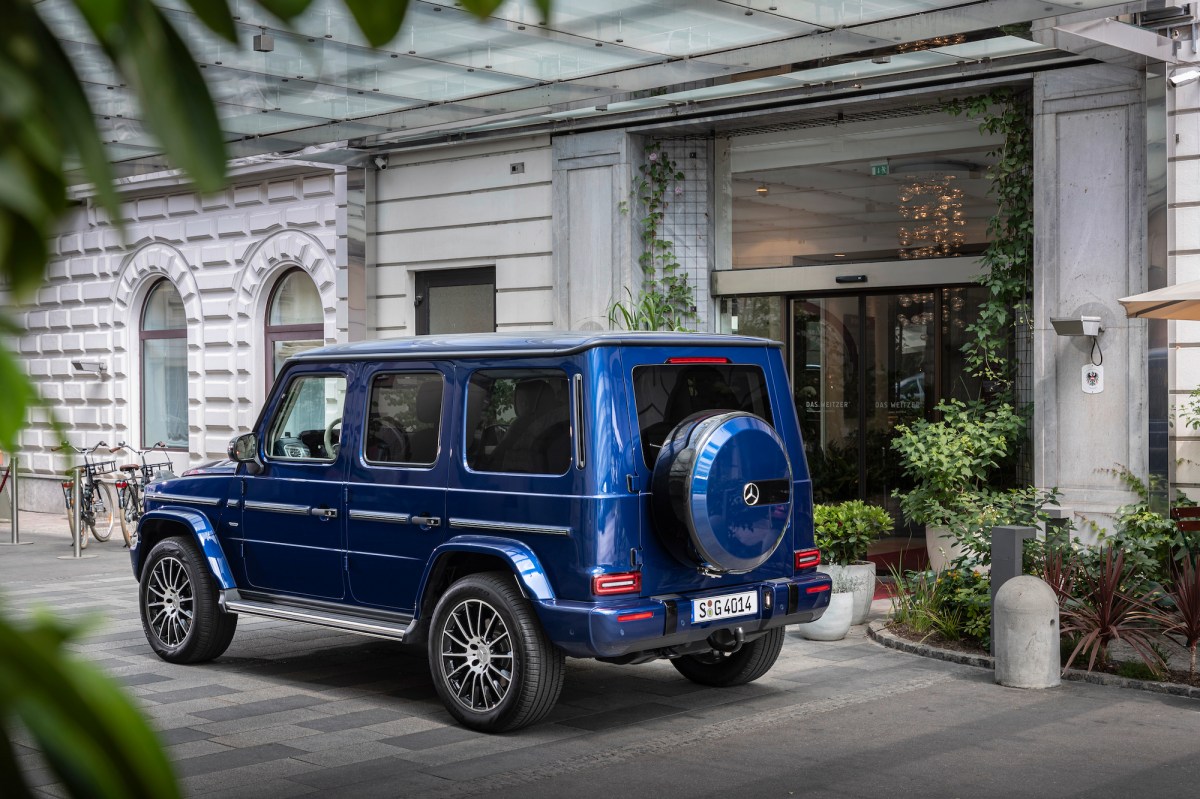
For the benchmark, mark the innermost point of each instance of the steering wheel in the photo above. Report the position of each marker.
(330, 448)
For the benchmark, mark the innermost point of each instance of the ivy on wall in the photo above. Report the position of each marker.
(667, 300)
(1008, 259)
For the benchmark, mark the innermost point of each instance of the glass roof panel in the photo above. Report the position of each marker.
(1001, 47)
(856, 12)
(666, 27)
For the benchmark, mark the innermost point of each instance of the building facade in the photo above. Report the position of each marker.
(830, 203)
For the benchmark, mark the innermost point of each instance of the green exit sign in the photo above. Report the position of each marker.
(879, 169)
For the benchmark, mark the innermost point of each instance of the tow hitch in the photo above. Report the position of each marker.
(727, 641)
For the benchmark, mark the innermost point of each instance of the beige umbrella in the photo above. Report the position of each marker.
(1181, 301)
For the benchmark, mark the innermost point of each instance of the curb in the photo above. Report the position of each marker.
(878, 632)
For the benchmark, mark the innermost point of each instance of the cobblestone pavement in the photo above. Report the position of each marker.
(294, 710)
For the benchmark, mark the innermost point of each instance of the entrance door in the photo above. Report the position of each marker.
(456, 301)
(863, 364)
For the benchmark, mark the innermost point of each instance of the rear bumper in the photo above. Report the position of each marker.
(616, 627)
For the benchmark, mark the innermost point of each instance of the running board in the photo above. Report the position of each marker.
(337, 621)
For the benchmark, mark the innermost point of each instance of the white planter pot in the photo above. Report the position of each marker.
(834, 625)
(862, 574)
(942, 546)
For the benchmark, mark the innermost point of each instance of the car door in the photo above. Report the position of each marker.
(293, 510)
(396, 494)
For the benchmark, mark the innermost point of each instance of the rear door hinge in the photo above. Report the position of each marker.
(632, 484)
(635, 558)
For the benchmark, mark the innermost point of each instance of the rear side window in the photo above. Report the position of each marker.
(518, 420)
(404, 415)
(308, 424)
(669, 393)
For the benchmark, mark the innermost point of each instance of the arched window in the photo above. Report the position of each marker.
(295, 320)
(164, 368)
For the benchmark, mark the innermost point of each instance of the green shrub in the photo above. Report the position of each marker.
(844, 531)
(955, 603)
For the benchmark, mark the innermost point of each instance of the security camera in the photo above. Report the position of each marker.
(90, 367)
(381, 162)
(1187, 76)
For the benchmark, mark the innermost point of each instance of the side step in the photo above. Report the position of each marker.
(338, 621)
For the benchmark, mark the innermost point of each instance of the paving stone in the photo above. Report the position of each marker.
(277, 705)
(282, 733)
(335, 740)
(345, 755)
(347, 721)
(430, 738)
(622, 717)
(191, 749)
(181, 735)
(232, 758)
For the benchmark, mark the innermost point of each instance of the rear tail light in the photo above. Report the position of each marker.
(623, 583)
(807, 558)
(122, 484)
(817, 589)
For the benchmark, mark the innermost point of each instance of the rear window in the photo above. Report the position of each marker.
(669, 393)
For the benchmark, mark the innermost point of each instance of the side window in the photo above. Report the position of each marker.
(308, 423)
(668, 394)
(404, 415)
(519, 421)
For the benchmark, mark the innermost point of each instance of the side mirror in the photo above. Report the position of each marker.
(244, 449)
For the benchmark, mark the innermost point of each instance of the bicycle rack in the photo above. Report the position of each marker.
(9, 479)
(77, 512)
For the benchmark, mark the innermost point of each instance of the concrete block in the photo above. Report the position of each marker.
(302, 216)
(151, 208)
(169, 231)
(1027, 637)
(264, 222)
(200, 229)
(281, 190)
(231, 225)
(247, 195)
(180, 204)
(318, 185)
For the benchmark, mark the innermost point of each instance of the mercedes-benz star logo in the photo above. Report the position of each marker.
(750, 494)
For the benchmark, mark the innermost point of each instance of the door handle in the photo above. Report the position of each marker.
(324, 513)
(426, 521)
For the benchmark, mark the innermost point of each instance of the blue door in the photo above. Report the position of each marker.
(396, 494)
(293, 512)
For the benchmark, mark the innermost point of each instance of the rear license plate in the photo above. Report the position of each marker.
(724, 607)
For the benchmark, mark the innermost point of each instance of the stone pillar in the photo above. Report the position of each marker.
(593, 236)
(1089, 250)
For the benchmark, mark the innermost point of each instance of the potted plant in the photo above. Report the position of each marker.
(952, 463)
(835, 622)
(843, 532)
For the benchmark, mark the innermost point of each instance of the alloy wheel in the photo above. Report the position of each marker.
(170, 601)
(477, 655)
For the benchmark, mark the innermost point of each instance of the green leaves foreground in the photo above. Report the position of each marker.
(89, 732)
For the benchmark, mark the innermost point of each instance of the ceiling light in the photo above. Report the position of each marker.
(762, 190)
(264, 42)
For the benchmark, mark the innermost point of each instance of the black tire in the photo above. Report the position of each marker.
(177, 599)
(468, 652)
(129, 512)
(747, 664)
(104, 512)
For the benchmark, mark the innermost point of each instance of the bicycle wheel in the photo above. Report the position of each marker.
(103, 516)
(130, 511)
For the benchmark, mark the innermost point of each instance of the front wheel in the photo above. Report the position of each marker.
(130, 511)
(103, 514)
(178, 603)
(493, 667)
(722, 670)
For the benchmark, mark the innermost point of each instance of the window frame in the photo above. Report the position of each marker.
(273, 334)
(284, 407)
(468, 432)
(423, 371)
(145, 335)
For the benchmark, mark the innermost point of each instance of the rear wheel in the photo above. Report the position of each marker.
(130, 511)
(493, 667)
(178, 603)
(722, 670)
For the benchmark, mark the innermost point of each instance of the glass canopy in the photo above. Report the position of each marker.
(322, 83)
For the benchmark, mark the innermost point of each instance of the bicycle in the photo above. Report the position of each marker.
(97, 506)
(131, 489)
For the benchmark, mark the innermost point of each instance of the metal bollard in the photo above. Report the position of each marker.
(1007, 555)
(77, 509)
(1025, 625)
(12, 487)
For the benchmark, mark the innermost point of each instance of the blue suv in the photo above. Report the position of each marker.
(505, 501)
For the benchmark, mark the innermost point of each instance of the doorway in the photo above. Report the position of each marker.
(864, 363)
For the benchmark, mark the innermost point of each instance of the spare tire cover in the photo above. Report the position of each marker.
(722, 491)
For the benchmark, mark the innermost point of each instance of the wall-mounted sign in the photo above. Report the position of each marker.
(1093, 379)
(879, 169)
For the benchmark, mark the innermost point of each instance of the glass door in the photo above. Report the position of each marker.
(862, 364)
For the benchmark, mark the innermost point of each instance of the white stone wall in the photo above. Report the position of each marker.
(465, 207)
(223, 253)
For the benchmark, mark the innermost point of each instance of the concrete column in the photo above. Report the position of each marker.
(593, 237)
(1089, 250)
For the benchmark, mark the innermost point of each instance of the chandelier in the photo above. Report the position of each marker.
(935, 210)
